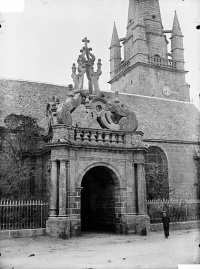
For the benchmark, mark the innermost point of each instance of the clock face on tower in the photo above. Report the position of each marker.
(166, 91)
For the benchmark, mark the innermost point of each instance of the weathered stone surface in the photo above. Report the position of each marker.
(58, 227)
(113, 200)
(136, 224)
(9, 234)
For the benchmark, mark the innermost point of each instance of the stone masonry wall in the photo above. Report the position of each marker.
(157, 45)
(158, 119)
(106, 206)
(147, 81)
(181, 169)
(27, 98)
(162, 119)
(89, 158)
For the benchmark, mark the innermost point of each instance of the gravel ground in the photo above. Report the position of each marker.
(100, 250)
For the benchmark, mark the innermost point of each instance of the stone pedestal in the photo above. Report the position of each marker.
(58, 227)
(135, 224)
(75, 226)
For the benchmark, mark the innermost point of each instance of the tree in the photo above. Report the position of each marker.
(19, 143)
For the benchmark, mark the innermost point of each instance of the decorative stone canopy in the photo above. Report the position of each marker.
(111, 115)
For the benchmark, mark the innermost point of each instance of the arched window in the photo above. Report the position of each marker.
(156, 174)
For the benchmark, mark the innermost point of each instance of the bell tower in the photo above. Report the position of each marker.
(148, 68)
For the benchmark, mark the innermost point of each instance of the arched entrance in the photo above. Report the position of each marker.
(98, 200)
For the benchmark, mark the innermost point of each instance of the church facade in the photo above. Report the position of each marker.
(152, 79)
(102, 149)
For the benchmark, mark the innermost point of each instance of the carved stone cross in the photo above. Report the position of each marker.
(86, 41)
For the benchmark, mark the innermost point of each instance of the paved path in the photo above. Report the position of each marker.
(100, 250)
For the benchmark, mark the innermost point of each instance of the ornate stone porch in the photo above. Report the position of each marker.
(97, 160)
(73, 154)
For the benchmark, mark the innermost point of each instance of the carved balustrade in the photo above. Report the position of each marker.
(101, 137)
(93, 137)
(122, 68)
(162, 62)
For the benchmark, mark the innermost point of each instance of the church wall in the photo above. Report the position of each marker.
(181, 168)
(162, 119)
(150, 82)
(27, 98)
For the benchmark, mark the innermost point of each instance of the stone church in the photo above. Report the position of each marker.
(98, 145)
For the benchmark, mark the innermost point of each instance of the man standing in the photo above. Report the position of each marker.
(165, 221)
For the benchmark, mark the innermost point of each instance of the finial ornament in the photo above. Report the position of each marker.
(86, 66)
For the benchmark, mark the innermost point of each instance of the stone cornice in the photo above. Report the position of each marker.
(89, 146)
(172, 141)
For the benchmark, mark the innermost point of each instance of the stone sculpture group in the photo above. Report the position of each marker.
(110, 115)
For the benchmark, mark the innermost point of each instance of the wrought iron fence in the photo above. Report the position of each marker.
(177, 210)
(23, 214)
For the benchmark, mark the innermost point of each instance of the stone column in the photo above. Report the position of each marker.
(62, 189)
(120, 209)
(54, 188)
(141, 189)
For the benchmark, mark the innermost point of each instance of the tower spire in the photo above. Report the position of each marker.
(115, 52)
(177, 44)
(138, 19)
(115, 37)
(176, 29)
(146, 68)
(151, 15)
(131, 12)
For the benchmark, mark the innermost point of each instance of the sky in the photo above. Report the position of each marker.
(41, 39)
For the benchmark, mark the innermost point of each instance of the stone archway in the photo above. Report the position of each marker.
(98, 200)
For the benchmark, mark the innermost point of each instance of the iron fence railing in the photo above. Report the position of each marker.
(23, 214)
(177, 210)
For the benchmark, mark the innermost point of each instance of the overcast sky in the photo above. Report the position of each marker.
(41, 42)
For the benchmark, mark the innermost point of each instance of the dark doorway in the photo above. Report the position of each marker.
(98, 201)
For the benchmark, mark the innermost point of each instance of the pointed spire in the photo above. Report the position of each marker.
(176, 29)
(115, 38)
(131, 12)
(138, 19)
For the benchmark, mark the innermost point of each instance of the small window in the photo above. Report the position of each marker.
(153, 16)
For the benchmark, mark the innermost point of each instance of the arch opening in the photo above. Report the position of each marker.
(156, 174)
(98, 200)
